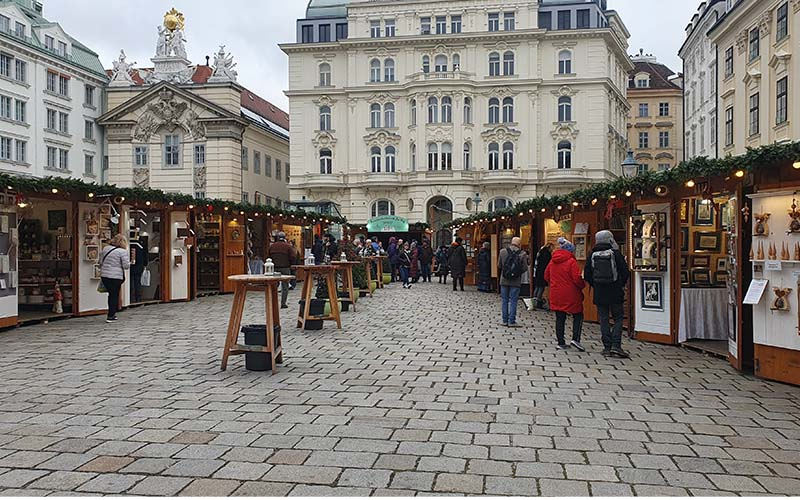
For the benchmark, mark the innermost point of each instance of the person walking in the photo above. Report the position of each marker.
(414, 262)
(405, 265)
(283, 256)
(539, 283)
(426, 260)
(393, 252)
(607, 273)
(457, 262)
(442, 267)
(566, 293)
(114, 261)
(485, 268)
(318, 250)
(513, 264)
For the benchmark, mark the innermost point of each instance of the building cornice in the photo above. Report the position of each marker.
(43, 57)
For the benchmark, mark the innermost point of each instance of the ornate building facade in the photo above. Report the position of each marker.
(51, 94)
(655, 125)
(410, 109)
(194, 129)
(757, 74)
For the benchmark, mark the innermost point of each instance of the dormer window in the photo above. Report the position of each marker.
(642, 81)
(19, 30)
(49, 42)
(62, 49)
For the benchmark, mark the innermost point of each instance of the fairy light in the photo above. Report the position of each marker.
(739, 174)
(690, 183)
(54, 191)
(628, 194)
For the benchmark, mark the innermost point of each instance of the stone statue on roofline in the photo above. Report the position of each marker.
(121, 76)
(223, 67)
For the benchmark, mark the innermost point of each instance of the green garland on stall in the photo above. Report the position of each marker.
(29, 186)
(762, 158)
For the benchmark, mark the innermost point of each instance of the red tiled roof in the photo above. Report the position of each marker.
(250, 100)
(659, 76)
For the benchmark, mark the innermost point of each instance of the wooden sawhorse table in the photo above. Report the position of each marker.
(328, 273)
(269, 285)
(346, 267)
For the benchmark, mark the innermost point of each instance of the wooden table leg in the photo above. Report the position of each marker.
(276, 321)
(369, 278)
(307, 287)
(235, 322)
(332, 295)
(269, 309)
(380, 273)
(351, 287)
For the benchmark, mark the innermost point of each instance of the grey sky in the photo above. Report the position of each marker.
(251, 30)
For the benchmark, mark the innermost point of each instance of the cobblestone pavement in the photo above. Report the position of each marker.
(421, 393)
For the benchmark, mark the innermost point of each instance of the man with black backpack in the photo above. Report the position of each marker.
(513, 265)
(607, 272)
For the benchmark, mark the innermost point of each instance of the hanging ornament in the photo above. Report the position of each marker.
(794, 214)
(746, 214)
(781, 302)
(762, 226)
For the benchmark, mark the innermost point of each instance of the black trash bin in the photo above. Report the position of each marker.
(256, 335)
(317, 309)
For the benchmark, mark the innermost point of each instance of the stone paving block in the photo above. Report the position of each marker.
(73, 445)
(640, 476)
(511, 486)
(562, 488)
(561, 456)
(289, 457)
(610, 489)
(780, 485)
(613, 459)
(366, 445)
(304, 474)
(658, 491)
(17, 478)
(365, 478)
(148, 466)
(686, 479)
(190, 437)
(459, 483)
(385, 492)
(465, 451)
(202, 452)
(105, 464)
(311, 491)
(421, 449)
(66, 461)
(263, 489)
(24, 459)
(489, 468)
(158, 450)
(244, 471)
(32, 443)
(317, 443)
(396, 462)
(704, 465)
(194, 468)
(660, 462)
(29, 492)
(512, 454)
(741, 484)
(111, 483)
(541, 470)
(418, 481)
(116, 448)
(591, 472)
(210, 488)
(441, 464)
(160, 486)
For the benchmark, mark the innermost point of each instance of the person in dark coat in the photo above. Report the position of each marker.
(426, 260)
(318, 250)
(405, 265)
(331, 247)
(414, 262)
(442, 267)
(393, 252)
(457, 261)
(485, 268)
(539, 283)
(609, 297)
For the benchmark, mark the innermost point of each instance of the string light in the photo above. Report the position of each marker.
(191, 207)
(575, 204)
(628, 194)
(172, 203)
(739, 174)
(560, 207)
(690, 183)
(147, 203)
(544, 210)
(594, 202)
(795, 165)
(613, 197)
(91, 195)
(54, 191)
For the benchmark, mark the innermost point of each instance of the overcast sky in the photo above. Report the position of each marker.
(251, 30)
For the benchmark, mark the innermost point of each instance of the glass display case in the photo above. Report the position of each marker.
(648, 242)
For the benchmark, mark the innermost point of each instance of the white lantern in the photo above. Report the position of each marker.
(269, 267)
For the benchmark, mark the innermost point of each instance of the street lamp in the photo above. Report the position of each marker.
(476, 200)
(630, 167)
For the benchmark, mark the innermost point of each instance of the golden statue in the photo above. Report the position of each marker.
(174, 20)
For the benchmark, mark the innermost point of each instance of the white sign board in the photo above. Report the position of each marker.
(755, 292)
(773, 265)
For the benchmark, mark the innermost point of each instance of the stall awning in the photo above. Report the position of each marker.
(388, 224)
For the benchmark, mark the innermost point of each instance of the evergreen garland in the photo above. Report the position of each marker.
(773, 156)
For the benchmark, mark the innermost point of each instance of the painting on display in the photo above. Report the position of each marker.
(652, 293)
(703, 213)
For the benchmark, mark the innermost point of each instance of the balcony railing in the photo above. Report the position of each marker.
(440, 75)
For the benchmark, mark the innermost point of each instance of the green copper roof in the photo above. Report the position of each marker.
(80, 56)
(326, 8)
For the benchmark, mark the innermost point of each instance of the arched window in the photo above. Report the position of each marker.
(325, 162)
(388, 115)
(456, 62)
(426, 64)
(447, 110)
(508, 156)
(324, 75)
(508, 63)
(467, 110)
(565, 62)
(413, 155)
(391, 157)
(494, 110)
(325, 118)
(564, 154)
(494, 156)
(494, 64)
(375, 71)
(388, 70)
(375, 115)
(447, 156)
(382, 208)
(375, 156)
(467, 156)
(413, 106)
(440, 63)
(433, 110)
(508, 110)
(433, 156)
(499, 204)
(565, 109)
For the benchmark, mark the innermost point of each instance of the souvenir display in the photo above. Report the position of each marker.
(761, 227)
(794, 215)
(781, 302)
(208, 249)
(649, 242)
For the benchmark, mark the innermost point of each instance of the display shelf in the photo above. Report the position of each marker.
(757, 261)
(648, 242)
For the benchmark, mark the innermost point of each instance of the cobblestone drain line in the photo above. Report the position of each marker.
(421, 393)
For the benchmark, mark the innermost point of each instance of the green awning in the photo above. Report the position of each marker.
(388, 224)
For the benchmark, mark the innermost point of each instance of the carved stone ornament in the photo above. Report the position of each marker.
(223, 67)
(382, 98)
(501, 133)
(440, 134)
(741, 42)
(200, 178)
(564, 130)
(325, 100)
(382, 138)
(564, 91)
(796, 6)
(141, 177)
(168, 112)
(324, 139)
(121, 76)
(501, 92)
(764, 23)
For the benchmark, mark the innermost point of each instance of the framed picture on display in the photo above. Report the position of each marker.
(722, 264)
(685, 211)
(92, 253)
(684, 239)
(700, 276)
(92, 227)
(707, 241)
(684, 261)
(96, 272)
(652, 293)
(721, 278)
(703, 213)
(685, 278)
(580, 247)
(701, 261)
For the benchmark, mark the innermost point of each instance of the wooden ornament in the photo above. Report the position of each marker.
(794, 216)
(785, 252)
(761, 227)
(752, 254)
(797, 252)
(772, 252)
(760, 255)
(781, 302)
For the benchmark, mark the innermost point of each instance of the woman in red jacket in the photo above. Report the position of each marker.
(566, 292)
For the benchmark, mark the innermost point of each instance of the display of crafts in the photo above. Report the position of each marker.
(781, 302)
(794, 215)
(762, 227)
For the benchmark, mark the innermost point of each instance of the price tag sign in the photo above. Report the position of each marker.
(755, 292)
(773, 265)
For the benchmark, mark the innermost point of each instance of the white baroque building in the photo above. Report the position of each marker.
(51, 94)
(399, 106)
(699, 54)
